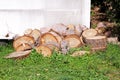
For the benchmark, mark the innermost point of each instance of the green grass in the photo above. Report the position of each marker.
(103, 65)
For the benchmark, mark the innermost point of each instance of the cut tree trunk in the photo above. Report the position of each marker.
(97, 42)
(22, 40)
(35, 34)
(18, 54)
(88, 33)
(47, 38)
(44, 50)
(57, 35)
(73, 41)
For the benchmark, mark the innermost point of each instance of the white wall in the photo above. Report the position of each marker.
(18, 15)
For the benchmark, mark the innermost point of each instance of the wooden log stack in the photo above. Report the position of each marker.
(60, 38)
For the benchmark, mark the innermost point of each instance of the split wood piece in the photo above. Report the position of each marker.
(18, 54)
(48, 37)
(57, 35)
(78, 30)
(60, 28)
(70, 29)
(97, 42)
(73, 41)
(35, 34)
(23, 39)
(89, 33)
(44, 50)
(79, 53)
(23, 47)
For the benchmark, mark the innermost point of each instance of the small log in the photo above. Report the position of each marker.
(48, 37)
(44, 50)
(73, 41)
(35, 34)
(22, 40)
(78, 30)
(97, 42)
(60, 28)
(88, 33)
(18, 54)
(57, 35)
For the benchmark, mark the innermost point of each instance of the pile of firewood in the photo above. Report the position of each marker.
(59, 37)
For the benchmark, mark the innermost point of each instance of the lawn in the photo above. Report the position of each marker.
(104, 65)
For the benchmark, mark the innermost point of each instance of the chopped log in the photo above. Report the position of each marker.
(24, 47)
(48, 37)
(23, 39)
(35, 34)
(57, 35)
(89, 33)
(78, 30)
(79, 53)
(18, 54)
(60, 28)
(44, 50)
(73, 41)
(97, 42)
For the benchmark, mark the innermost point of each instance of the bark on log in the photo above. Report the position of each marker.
(44, 50)
(22, 40)
(18, 54)
(73, 41)
(97, 42)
